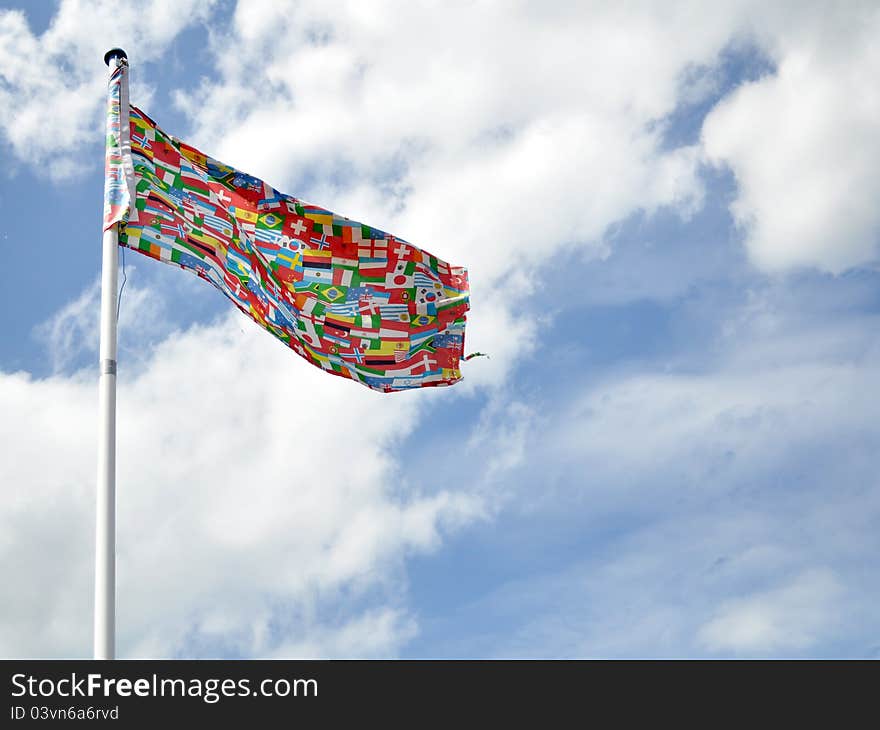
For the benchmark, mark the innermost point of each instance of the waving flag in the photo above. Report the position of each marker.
(351, 299)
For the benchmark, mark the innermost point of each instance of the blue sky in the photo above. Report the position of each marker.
(670, 222)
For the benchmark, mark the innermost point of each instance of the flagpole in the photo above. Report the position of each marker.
(105, 517)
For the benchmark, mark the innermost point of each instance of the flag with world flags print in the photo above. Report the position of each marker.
(349, 298)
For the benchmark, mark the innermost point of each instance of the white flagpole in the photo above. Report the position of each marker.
(105, 518)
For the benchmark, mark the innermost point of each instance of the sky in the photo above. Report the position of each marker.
(669, 216)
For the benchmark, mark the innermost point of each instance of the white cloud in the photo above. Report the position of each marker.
(501, 438)
(803, 141)
(793, 617)
(503, 138)
(53, 86)
(775, 407)
(724, 507)
(72, 331)
(380, 633)
(253, 494)
(497, 141)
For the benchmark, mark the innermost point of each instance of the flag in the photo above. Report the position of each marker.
(353, 300)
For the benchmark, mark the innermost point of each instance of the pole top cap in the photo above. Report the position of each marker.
(112, 53)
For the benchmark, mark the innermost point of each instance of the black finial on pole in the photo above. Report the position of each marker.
(113, 53)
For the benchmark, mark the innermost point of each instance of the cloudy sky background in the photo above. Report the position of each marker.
(670, 216)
